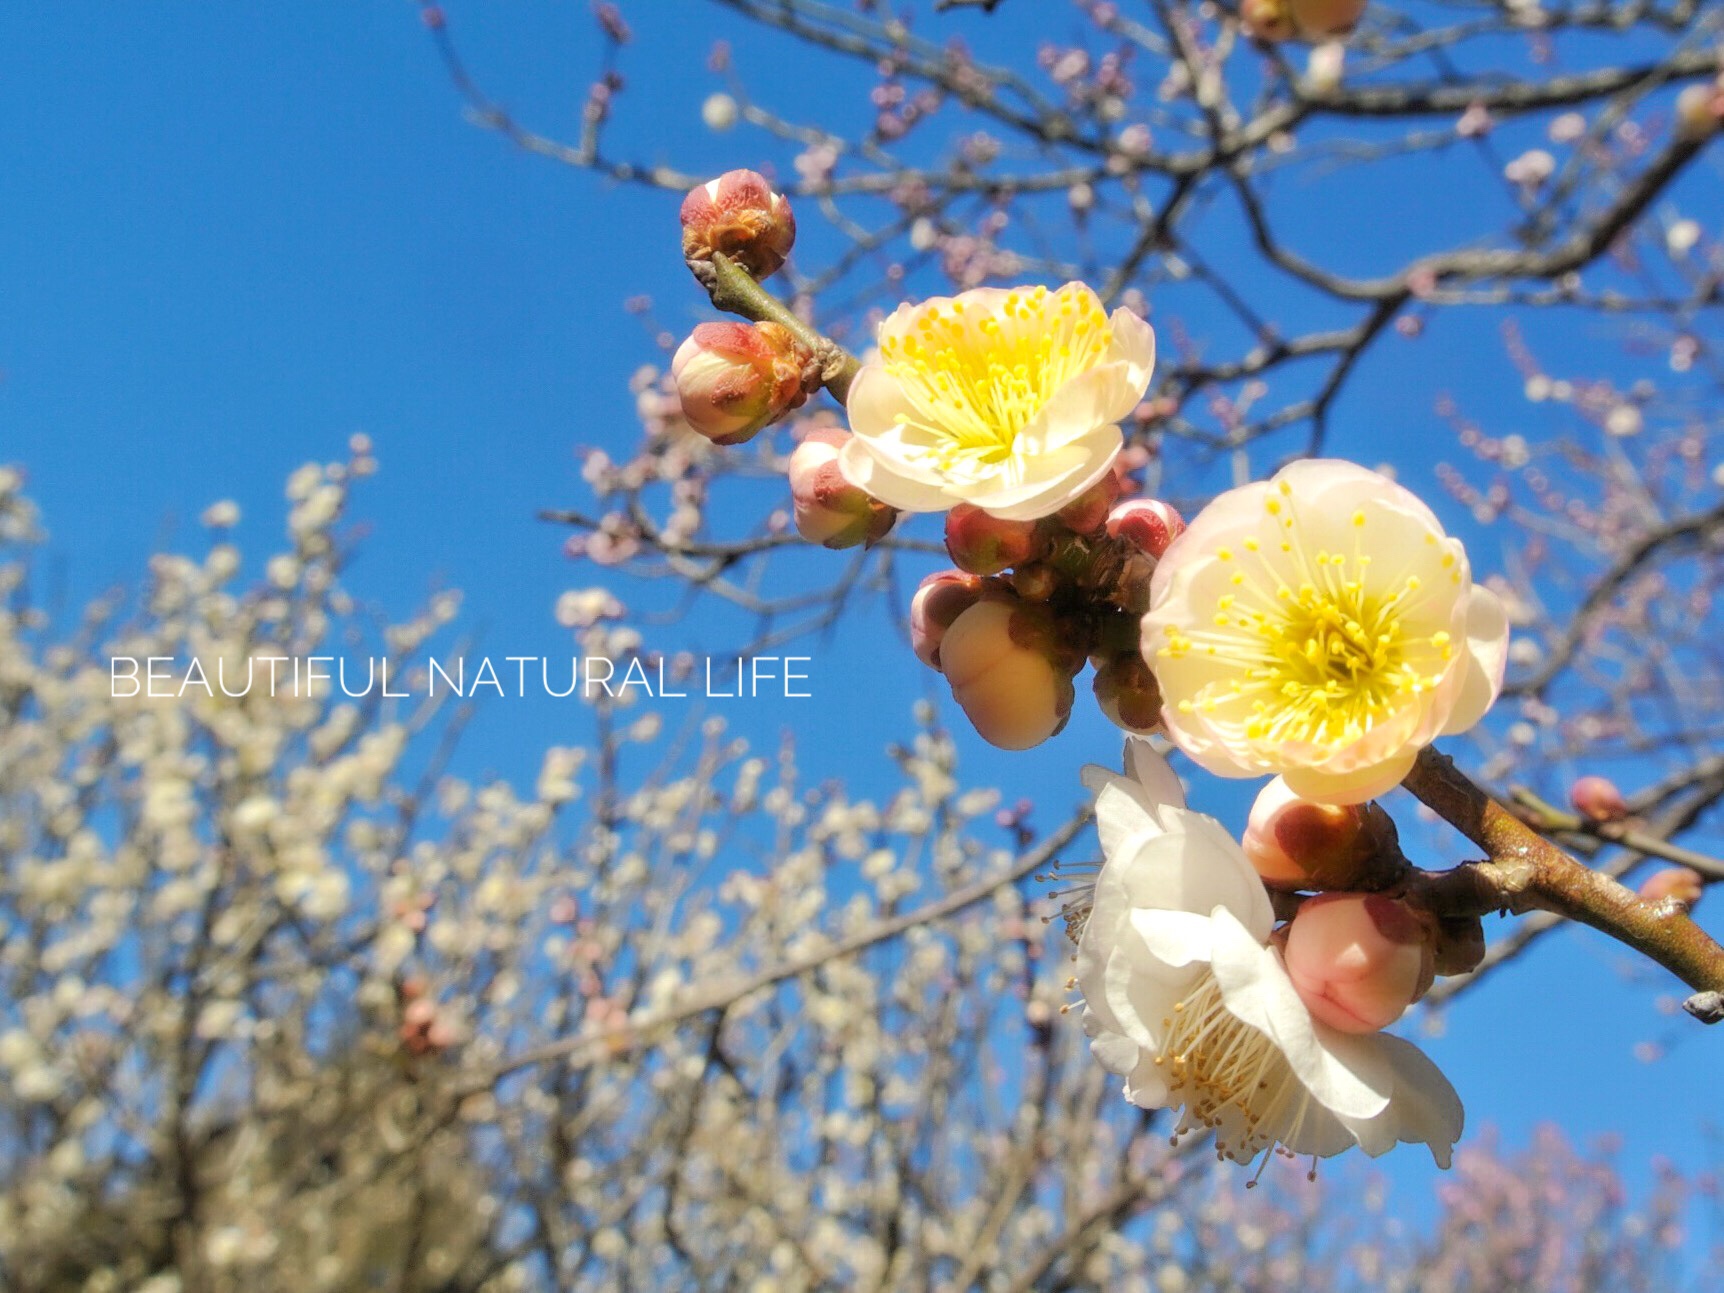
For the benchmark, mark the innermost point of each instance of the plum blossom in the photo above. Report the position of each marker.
(1320, 625)
(1188, 999)
(1005, 399)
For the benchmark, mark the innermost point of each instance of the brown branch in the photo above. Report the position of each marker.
(1528, 872)
(1691, 531)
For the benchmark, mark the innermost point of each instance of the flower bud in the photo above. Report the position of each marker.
(1035, 581)
(1300, 19)
(1598, 799)
(941, 598)
(1268, 19)
(1297, 844)
(736, 378)
(1678, 884)
(830, 510)
(1008, 672)
(1321, 19)
(1458, 945)
(1126, 691)
(739, 216)
(1700, 110)
(1087, 513)
(988, 545)
(1148, 524)
(1358, 960)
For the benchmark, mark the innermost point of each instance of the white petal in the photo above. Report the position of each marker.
(1139, 991)
(1121, 817)
(1176, 938)
(1195, 866)
(1116, 1053)
(1145, 765)
(1312, 1129)
(1353, 1081)
(1487, 658)
(1424, 1108)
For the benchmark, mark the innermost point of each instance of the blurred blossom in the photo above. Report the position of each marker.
(720, 112)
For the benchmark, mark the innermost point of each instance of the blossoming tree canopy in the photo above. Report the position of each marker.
(1320, 627)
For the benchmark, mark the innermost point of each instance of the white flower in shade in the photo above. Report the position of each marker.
(1004, 399)
(1322, 626)
(1187, 996)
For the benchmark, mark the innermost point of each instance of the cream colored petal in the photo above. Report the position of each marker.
(1052, 480)
(1230, 519)
(1331, 483)
(876, 402)
(1487, 658)
(1091, 399)
(891, 483)
(1133, 345)
(1355, 786)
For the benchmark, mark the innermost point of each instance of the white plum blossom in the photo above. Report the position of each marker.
(1188, 999)
(1008, 400)
(1320, 625)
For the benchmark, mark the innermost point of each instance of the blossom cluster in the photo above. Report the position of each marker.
(1320, 628)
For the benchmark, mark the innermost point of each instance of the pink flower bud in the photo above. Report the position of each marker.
(1700, 110)
(1678, 884)
(1088, 512)
(1358, 960)
(942, 597)
(1126, 691)
(734, 379)
(988, 545)
(1297, 844)
(739, 216)
(1598, 799)
(830, 510)
(1008, 673)
(1148, 524)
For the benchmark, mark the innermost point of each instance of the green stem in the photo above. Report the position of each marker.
(737, 293)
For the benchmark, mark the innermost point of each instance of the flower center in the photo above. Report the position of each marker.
(1323, 651)
(1230, 1077)
(977, 376)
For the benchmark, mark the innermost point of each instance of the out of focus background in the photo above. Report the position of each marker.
(343, 329)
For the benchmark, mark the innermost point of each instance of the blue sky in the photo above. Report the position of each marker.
(231, 236)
